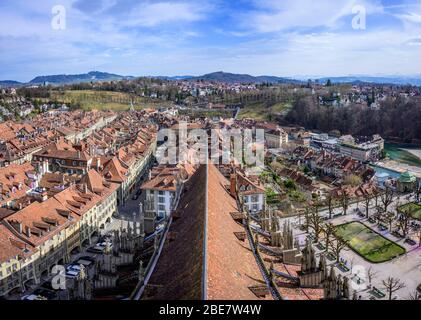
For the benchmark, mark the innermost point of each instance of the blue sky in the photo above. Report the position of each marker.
(295, 38)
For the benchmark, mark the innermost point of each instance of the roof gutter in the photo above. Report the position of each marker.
(205, 240)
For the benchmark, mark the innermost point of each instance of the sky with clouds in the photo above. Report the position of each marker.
(294, 38)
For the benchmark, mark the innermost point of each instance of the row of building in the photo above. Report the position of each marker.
(68, 193)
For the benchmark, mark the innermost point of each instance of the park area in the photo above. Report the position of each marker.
(367, 243)
(104, 100)
(414, 209)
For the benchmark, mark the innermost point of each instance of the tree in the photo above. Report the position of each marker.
(415, 295)
(315, 223)
(418, 192)
(367, 200)
(289, 184)
(371, 274)
(389, 218)
(403, 221)
(329, 230)
(330, 201)
(387, 198)
(352, 180)
(337, 246)
(376, 194)
(306, 219)
(392, 285)
(344, 199)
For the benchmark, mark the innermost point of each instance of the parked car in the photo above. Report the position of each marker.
(87, 258)
(71, 274)
(50, 295)
(74, 267)
(382, 228)
(33, 297)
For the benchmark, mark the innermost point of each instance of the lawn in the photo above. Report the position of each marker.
(104, 100)
(414, 208)
(367, 243)
(262, 111)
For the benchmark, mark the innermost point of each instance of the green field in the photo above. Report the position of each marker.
(104, 100)
(414, 208)
(367, 243)
(260, 111)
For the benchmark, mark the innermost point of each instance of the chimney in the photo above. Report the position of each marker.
(28, 231)
(45, 169)
(98, 164)
(16, 225)
(85, 188)
(233, 186)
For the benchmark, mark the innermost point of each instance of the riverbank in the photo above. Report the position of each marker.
(399, 167)
(404, 154)
(415, 152)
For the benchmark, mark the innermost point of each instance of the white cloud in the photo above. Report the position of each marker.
(154, 14)
(281, 15)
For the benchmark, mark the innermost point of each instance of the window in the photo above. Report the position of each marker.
(161, 199)
(161, 193)
(246, 199)
(161, 207)
(254, 198)
(255, 207)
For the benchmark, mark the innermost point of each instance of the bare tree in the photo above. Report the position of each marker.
(403, 221)
(397, 206)
(376, 195)
(306, 219)
(329, 230)
(418, 192)
(389, 218)
(387, 198)
(415, 295)
(371, 274)
(337, 246)
(315, 222)
(367, 204)
(344, 200)
(330, 201)
(392, 285)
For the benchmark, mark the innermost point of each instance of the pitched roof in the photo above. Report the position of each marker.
(179, 272)
(231, 266)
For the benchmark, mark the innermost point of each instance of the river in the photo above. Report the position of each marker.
(396, 152)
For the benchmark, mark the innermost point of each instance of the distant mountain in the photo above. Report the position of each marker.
(220, 76)
(10, 83)
(242, 78)
(380, 80)
(173, 78)
(78, 78)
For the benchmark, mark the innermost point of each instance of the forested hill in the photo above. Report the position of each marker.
(397, 119)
